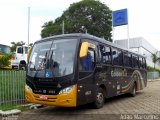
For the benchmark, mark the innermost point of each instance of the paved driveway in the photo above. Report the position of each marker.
(146, 103)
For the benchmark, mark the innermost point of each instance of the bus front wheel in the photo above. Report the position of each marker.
(133, 91)
(99, 100)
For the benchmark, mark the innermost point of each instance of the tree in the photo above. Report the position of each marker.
(15, 44)
(155, 59)
(89, 16)
(31, 44)
(5, 60)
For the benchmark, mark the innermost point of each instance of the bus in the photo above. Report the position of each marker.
(75, 69)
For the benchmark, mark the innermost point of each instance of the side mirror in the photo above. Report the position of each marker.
(84, 49)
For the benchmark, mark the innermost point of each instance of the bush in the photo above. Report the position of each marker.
(5, 60)
(151, 69)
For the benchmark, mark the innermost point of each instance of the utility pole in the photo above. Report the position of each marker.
(63, 27)
(28, 24)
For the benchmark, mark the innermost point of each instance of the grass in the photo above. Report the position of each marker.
(6, 107)
(11, 88)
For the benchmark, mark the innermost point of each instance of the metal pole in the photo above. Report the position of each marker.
(113, 34)
(86, 31)
(128, 33)
(112, 29)
(63, 27)
(128, 36)
(28, 24)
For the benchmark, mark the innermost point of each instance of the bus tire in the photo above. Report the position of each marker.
(99, 100)
(133, 91)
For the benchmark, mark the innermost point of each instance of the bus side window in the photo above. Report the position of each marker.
(114, 56)
(101, 53)
(120, 58)
(143, 63)
(127, 60)
(108, 55)
(117, 57)
(105, 54)
(135, 61)
(87, 63)
(140, 63)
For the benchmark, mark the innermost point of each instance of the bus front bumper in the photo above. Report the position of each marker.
(62, 100)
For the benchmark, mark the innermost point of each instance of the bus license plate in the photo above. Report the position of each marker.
(44, 97)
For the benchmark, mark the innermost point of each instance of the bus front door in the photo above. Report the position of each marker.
(86, 78)
(85, 88)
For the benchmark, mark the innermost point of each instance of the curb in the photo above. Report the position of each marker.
(10, 112)
(153, 80)
(16, 111)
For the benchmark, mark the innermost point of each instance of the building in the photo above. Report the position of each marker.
(141, 46)
(4, 49)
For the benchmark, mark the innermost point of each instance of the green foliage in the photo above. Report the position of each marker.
(87, 15)
(155, 58)
(151, 69)
(31, 44)
(5, 60)
(15, 44)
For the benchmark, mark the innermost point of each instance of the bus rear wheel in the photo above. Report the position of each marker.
(99, 100)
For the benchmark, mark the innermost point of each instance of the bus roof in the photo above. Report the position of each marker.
(85, 36)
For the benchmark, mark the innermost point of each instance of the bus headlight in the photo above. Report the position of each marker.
(28, 88)
(66, 90)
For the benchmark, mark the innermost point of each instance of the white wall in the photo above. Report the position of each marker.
(141, 46)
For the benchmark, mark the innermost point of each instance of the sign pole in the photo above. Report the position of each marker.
(128, 37)
(113, 34)
(28, 24)
(112, 29)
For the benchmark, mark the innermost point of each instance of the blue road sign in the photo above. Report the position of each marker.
(120, 17)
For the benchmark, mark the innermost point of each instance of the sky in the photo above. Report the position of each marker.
(143, 18)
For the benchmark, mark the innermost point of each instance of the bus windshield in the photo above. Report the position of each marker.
(56, 55)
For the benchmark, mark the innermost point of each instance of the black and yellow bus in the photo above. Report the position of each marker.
(74, 69)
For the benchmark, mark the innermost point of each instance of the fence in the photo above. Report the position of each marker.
(12, 85)
(153, 75)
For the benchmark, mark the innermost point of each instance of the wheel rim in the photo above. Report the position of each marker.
(100, 98)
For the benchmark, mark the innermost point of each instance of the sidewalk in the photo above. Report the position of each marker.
(152, 80)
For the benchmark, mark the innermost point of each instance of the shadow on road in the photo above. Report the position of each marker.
(83, 109)
(83, 112)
